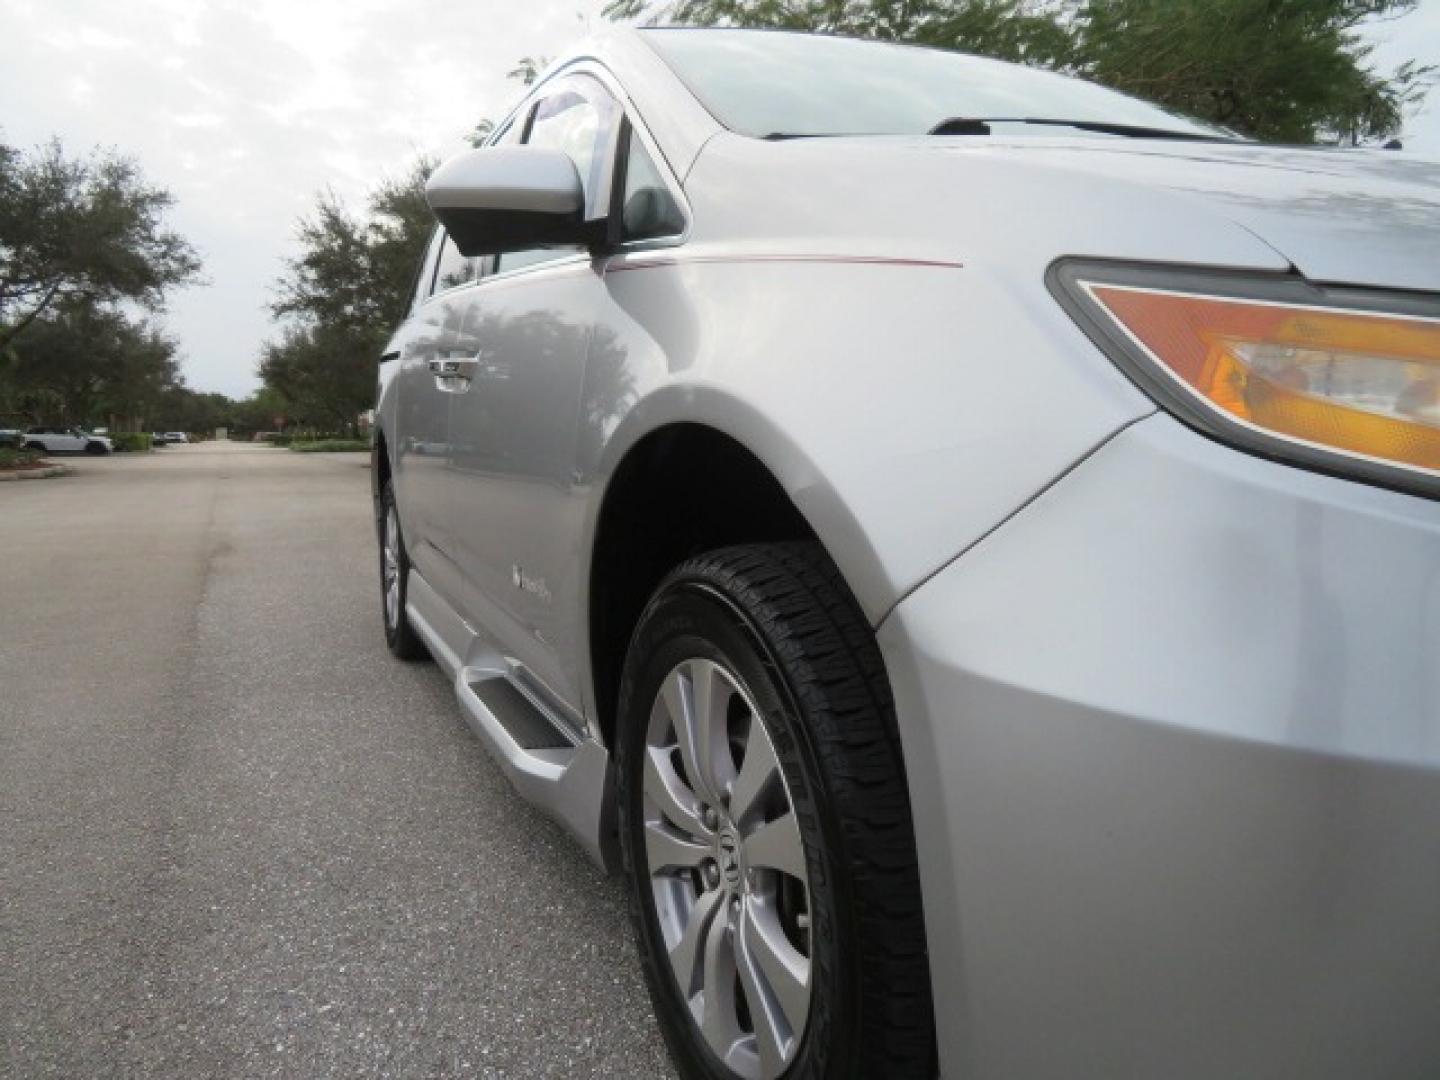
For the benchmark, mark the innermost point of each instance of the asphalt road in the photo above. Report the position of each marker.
(236, 837)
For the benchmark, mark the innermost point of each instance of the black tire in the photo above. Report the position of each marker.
(781, 618)
(95, 448)
(35, 446)
(400, 636)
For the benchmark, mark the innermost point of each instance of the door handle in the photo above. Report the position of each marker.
(454, 368)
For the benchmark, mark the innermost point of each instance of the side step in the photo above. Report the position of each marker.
(544, 752)
(531, 725)
(552, 766)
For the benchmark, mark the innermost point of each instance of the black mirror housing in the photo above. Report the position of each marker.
(511, 198)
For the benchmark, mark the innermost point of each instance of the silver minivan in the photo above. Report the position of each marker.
(963, 543)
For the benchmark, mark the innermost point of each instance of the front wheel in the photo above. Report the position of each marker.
(765, 825)
(95, 448)
(400, 636)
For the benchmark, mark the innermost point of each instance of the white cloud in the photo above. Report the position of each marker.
(245, 109)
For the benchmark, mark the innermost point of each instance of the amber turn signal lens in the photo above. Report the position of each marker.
(1354, 381)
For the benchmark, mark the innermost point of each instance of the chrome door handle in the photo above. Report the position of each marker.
(454, 368)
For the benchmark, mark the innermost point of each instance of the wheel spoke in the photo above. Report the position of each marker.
(776, 845)
(669, 851)
(710, 694)
(720, 1020)
(390, 574)
(711, 792)
(691, 729)
(688, 953)
(668, 792)
(757, 771)
(777, 985)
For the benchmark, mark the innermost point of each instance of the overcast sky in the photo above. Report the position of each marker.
(245, 110)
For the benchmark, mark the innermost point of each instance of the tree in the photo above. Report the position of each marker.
(85, 362)
(358, 271)
(265, 410)
(1281, 70)
(82, 228)
(1018, 30)
(1284, 70)
(342, 296)
(324, 379)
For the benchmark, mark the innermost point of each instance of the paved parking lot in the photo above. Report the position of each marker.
(238, 839)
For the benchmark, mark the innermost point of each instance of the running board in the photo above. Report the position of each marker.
(563, 778)
(546, 755)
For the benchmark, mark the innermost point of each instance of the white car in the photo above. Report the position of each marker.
(176, 437)
(66, 440)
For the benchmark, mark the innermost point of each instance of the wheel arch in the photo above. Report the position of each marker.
(689, 484)
(380, 468)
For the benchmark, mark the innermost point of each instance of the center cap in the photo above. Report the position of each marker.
(727, 855)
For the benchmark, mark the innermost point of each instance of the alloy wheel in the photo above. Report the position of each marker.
(727, 869)
(390, 567)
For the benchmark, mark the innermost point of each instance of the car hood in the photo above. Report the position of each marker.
(1357, 217)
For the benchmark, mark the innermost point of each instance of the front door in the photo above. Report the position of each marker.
(421, 455)
(522, 333)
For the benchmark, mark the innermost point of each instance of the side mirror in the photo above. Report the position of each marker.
(511, 198)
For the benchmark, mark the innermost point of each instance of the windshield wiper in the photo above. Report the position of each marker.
(980, 125)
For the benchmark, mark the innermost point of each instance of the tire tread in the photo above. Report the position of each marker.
(833, 667)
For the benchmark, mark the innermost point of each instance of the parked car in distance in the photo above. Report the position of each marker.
(11, 438)
(961, 542)
(66, 440)
(176, 437)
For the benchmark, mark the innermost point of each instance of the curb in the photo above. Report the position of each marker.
(36, 474)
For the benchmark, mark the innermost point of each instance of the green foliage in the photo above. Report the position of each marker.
(137, 442)
(358, 271)
(1019, 30)
(83, 244)
(528, 69)
(342, 297)
(11, 458)
(183, 409)
(265, 410)
(80, 362)
(82, 230)
(330, 446)
(1283, 70)
(324, 371)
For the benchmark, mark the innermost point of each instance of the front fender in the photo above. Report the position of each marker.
(906, 409)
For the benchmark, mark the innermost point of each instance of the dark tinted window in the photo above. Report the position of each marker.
(454, 269)
(768, 83)
(649, 210)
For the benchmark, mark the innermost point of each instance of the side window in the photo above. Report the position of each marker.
(425, 276)
(648, 210)
(454, 269)
(580, 118)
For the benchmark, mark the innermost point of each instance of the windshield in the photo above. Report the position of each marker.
(774, 84)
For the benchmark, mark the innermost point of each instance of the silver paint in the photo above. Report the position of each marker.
(1170, 713)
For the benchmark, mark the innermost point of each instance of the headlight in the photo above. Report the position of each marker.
(1344, 381)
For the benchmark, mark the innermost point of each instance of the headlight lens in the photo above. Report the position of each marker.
(1324, 379)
